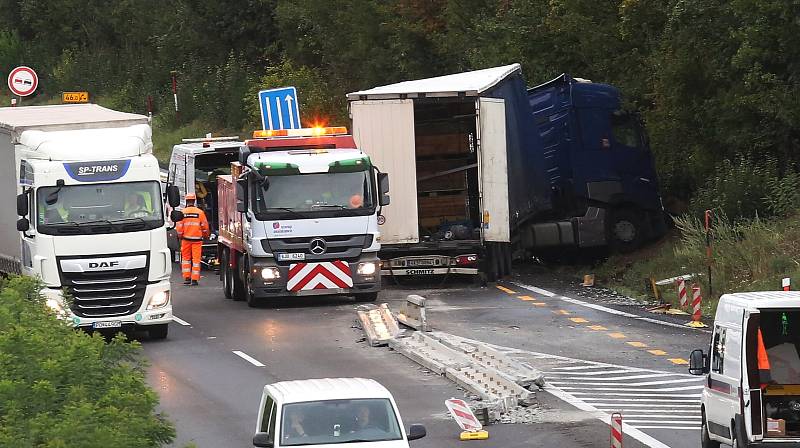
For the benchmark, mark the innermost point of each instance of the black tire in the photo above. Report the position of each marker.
(366, 297)
(158, 332)
(739, 434)
(490, 264)
(249, 297)
(705, 439)
(625, 230)
(237, 285)
(227, 276)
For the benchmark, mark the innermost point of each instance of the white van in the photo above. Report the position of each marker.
(328, 412)
(752, 391)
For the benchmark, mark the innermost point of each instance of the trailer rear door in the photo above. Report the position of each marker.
(384, 130)
(493, 169)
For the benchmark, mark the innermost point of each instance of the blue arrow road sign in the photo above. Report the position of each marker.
(279, 109)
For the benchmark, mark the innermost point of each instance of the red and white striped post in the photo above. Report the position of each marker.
(616, 430)
(787, 284)
(684, 299)
(697, 312)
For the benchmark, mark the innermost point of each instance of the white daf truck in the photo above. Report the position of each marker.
(89, 217)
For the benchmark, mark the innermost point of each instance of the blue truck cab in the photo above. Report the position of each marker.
(598, 162)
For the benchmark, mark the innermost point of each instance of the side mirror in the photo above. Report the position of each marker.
(698, 362)
(22, 204)
(173, 196)
(23, 225)
(176, 215)
(244, 154)
(241, 195)
(383, 185)
(416, 431)
(261, 439)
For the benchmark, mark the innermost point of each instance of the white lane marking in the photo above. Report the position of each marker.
(571, 368)
(605, 418)
(181, 321)
(648, 400)
(601, 307)
(673, 422)
(594, 394)
(672, 414)
(645, 383)
(687, 428)
(645, 405)
(618, 378)
(248, 358)
(576, 373)
(627, 389)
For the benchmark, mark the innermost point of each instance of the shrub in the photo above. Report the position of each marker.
(63, 388)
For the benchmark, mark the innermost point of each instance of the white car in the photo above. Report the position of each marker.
(331, 411)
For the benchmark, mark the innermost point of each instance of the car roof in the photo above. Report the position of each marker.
(763, 299)
(199, 148)
(326, 389)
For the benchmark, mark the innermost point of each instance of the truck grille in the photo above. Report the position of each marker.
(340, 247)
(106, 293)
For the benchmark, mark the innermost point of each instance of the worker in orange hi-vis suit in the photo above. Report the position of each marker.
(191, 231)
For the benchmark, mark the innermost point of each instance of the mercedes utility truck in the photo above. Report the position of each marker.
(89, 216)
(484, 168)
(298, 215)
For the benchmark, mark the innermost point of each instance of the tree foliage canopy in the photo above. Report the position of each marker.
(714, 79)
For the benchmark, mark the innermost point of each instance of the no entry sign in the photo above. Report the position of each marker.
(22, 81)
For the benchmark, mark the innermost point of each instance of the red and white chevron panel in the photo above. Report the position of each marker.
(463, 415)
(324, 275)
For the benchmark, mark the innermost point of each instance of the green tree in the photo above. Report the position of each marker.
(63, 388)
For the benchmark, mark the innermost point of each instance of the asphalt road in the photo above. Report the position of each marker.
(212, 394)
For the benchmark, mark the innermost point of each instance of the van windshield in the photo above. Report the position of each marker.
(781, 335)
(339, 421)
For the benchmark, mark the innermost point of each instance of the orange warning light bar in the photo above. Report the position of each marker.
(304, 132)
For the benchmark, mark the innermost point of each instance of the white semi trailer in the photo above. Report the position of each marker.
(89, 216)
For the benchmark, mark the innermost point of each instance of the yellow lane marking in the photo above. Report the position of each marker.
(562, 312)
(637, 344)
(616, 335)
(597, 327)
(578, 320)
(679, 361)
(506, 290)
(526, 298)
(539, 304)
(657, 352)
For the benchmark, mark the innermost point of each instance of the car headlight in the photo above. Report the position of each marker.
(158, 300)
(55, 305)
(367, 268)
(270, 274)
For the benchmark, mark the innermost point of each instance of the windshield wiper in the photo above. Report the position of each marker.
(285, 209)
(98, 221)
(336, 206)
(63, 223)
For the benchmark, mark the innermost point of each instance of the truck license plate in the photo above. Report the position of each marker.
(420, 262)
(294, 256)
(108, 324)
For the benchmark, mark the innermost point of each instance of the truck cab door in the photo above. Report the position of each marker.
(384, 130)
(751, 385)
(493, 170)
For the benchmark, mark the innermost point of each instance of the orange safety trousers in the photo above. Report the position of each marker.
(191, 252)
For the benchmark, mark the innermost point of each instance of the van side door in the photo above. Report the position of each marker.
(722, 404)
(751, 384)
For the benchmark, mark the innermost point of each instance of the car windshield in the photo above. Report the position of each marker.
(339, 421)
(316, 192)
(113, 203)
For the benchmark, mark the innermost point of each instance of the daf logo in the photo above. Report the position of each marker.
(103, 264)
(317, 246)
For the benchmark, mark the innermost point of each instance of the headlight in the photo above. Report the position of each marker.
(270, 274)
(368, 268)
(55, 305)
(158, 300)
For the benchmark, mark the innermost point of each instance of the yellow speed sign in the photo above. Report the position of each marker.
(75, 97)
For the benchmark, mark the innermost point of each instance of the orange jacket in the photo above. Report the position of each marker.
(194, 226)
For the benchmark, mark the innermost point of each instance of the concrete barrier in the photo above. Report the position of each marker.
(413, 313)
(378, 323)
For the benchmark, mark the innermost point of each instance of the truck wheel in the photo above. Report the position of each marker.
(252, 300)
(490, 263)
(625, 230)
(367, 297)
(705, 439)
(227, 276)
(157, 332)
(237, 285)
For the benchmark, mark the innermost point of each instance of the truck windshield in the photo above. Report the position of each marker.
(99, 208)
(318, 194)
(339, 421)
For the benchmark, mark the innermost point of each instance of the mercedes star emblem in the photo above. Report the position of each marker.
(317, 246)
